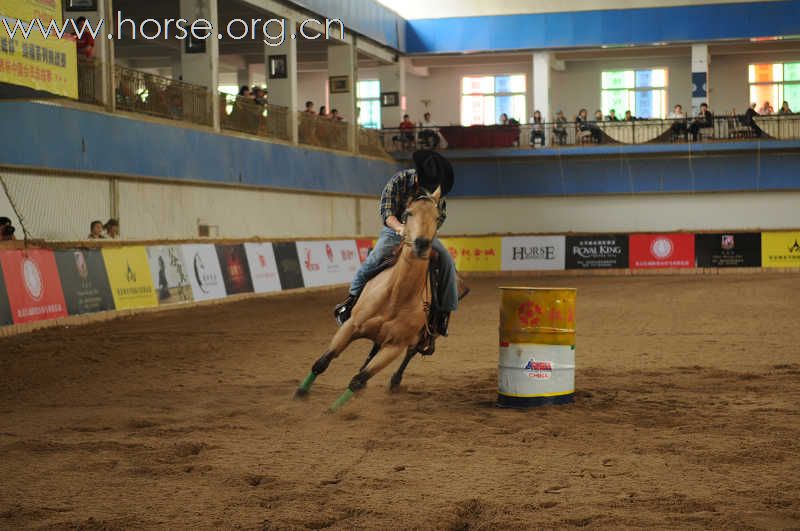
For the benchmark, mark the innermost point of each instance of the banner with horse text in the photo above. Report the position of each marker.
(780, 249)
(475, 254)
(129, 276)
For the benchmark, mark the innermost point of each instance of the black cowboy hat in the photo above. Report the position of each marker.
(433, 171)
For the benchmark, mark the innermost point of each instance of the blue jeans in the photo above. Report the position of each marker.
(387, 241)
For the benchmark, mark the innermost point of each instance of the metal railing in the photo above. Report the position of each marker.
(90, 75)
(559, 134)
(246, 116)
(145, 93)
(314, 130)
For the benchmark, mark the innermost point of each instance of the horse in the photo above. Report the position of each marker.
(391, 310)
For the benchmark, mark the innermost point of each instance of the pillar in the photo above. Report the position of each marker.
(541, 85)
(282, 86)
(342, 62)
(393, 79)
(103, 49)
(700, 86)
(203, 68)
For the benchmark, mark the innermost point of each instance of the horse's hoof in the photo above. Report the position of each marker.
(300, 393)
(394, 386)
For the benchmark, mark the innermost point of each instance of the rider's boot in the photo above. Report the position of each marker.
(342, 311)
(440, 322)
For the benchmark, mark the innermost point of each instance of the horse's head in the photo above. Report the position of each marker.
(421, 220)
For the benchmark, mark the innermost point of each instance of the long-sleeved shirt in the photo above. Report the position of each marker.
(401, 188)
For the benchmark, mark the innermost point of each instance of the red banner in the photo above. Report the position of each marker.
(363, 248)
(648, 251)
(33, 284)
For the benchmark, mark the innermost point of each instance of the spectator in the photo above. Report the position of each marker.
(335, 116)
(749, 121)
(6, 229)
(245, 93)
(703, 120)
(537, 128)
(309, 108)
(96, 230)
(612, 116)
(84, 43)
(598, 116)
(323, 112)
(259, 95)
(628, 117)
(406, 132)
(785, 108)
(767, 109)
(582, 121)
(679, 127)
(112, 228)
(429, 134)
(560, 128)
(504, 119)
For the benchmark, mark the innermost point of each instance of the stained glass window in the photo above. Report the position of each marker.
(485, 98)
(643, 92)
(775, 83)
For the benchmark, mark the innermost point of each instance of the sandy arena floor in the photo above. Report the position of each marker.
(687, 416)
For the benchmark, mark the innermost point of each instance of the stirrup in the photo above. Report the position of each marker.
(342, 310)
(427, 344)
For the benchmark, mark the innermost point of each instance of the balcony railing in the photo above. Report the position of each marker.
(247, 116)
(369, 143)
(319, 131)
(90, 75)
(550, 134)
(161, 96)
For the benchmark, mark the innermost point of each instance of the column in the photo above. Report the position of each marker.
(202, 68)
(541, 85)
(103, 50)
(342, 63)
(393, 79)
(281, 69)
(700, 86)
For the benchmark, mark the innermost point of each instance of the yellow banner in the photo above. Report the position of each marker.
(27, 10)
(50, 64)
(130, 278)
(780, 249)
(475, 254)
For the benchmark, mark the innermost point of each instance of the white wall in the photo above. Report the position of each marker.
(311, 87)
(625, 213)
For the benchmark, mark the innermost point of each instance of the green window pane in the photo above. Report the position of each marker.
(791, 93)
(791, 72)
(619, 100)
(368, 89)
(618, 79)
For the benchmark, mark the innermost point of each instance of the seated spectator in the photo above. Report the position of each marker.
(612, 116)
(84, 43)
(112, 228)
(703, 120)
(749, 121)
(309, 108)
(96, 230)
(785, 108)
(628, 117)
(766, 110)
(429, 135)
(585, 126)
(679, 127)
(537, 128)
(504, 119)
(259, 95)
(335, 116)
(323, 112)
(560, 128)
(598, 116)
(406, 132)
(7, 230)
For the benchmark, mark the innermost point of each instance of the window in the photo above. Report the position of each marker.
(485, 98)
(775, 83)
(643, 92)
(368, 94)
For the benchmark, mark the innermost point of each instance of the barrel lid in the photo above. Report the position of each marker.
(528, 288)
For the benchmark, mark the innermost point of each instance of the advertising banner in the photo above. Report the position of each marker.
(84, 281)
(728, 250)
(531, 253)
(288, 265)
(263, 267)
(170, 275)
(204, 271)
(780, 249)
(649, 251)
(27, 10)
(475, 254)
(33, 285)
(235, 270)
(5, 309)
(325, 263)
(364, 247)
(129, 276)
(606, 251)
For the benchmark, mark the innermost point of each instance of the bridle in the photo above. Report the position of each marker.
(421, 197)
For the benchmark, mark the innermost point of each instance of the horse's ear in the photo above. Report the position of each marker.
(437, 194)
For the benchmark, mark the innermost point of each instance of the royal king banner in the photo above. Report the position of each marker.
(780, 249)
(46, 64)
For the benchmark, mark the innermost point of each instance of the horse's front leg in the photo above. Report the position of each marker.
(385, 356)
(343, 337)
(397, 377)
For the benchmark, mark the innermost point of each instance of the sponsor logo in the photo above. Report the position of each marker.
(347, 255)
(329, 252)
(262, 261)
(529, 313)
(541, 370)
(130, 274)
(662, 248)
(310, 265)
(203, 277)
(795, 248)
(545, 252)
(80, 265)
(33, 280)
(597, 249)
(727, 242)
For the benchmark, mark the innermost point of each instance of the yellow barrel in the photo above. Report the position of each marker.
(537, 346)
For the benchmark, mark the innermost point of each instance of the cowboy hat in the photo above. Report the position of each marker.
(433, 171)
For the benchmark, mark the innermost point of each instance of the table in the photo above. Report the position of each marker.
(480, 136)
(637, 132)
(781, 126)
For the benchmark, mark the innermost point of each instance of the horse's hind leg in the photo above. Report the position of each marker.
(375, 349)
(344, 336)
(385, 356)
(397, 377)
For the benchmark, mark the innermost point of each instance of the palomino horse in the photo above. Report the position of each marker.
(391, 309)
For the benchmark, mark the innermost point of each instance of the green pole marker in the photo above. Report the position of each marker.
(306, 385)
(347, 395)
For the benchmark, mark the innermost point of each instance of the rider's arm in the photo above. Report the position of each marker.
(389, 206)
(393, 223)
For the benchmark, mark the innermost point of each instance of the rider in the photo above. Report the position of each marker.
(431, 171)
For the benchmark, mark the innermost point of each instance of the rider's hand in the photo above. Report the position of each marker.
(400, 230)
